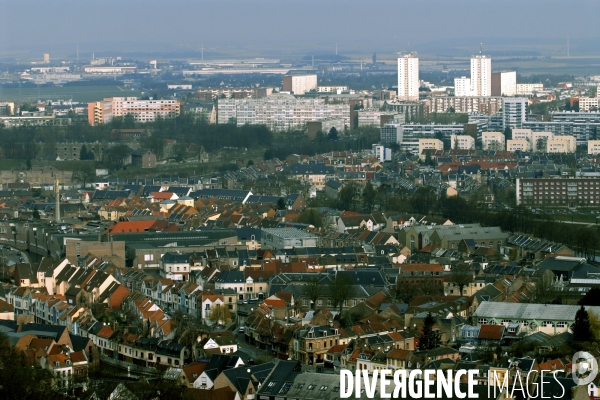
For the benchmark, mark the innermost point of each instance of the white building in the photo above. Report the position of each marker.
(408, 77)
(280, 112)
(300, 84)
(462, 142)
(492, 141)
(538, 141)
(481, 75)
(332, 89)
(529, 88)
(382, 153)
(504, 83)
(588, 104)
(462, 86)
(515, 111)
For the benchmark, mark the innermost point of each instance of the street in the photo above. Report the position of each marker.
(13, 256)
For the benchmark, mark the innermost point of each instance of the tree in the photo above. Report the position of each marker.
(116, 156)
(582, 331)
(28, 164)
(431, 337)
(268, 154)
(312, 290)
(340, 289)
(19, 381)
(85, 154)
(220, 314)
(280, 203)
(333, 134)
(544, 292)
(310, 216)
(347, 196)
(250, 162)
(85, 174)
(507, 133)
(460, 276)
(369, 195)
(36, 212)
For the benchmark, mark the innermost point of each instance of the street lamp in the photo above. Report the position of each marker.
(13, 228)
(35, 237)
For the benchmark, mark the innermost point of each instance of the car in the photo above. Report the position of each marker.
(21, 259)
(245, 301)
(7, 247)
(18, 253)
(241, 329)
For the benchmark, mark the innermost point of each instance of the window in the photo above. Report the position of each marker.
(547, 324)
(483, 321)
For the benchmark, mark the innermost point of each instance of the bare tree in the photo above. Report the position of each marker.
(461, 276)
(340, 290)
(311, 290)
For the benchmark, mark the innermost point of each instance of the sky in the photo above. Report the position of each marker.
(266, 26)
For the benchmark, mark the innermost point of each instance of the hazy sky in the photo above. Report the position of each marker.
(28, 26)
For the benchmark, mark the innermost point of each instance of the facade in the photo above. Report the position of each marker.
(430, 144)
(504, 83)
(332, 89)
(391, 132)
(593, 147)
(287, 238)
(101, 112)
(143, 158)
(513, 145)
(300, 84)
(551, 319)
(515, 111)
(481, 75)
(408, 77)
(382, 153)
(558, 192)
(462, 86)
(281, 112)
(588, 104)
(467, 104)
(561, 144)
(492, 141)
(462, 142)
(529, 88)
(375, 117)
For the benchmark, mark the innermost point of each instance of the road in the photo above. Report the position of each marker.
(13, 255)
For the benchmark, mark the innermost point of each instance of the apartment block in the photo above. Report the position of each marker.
(300, 84)
(515, 111)
(492, 141)
(391, 132)
(588, 104)
(558, 192)
(467, 104)
(429, 144)
(593, 147)
(408, 77)
(517, 145)
(481, 75)
(101, 112)
(462, 86)
(281, 112)
(529, 88)
(561, 144)
(504, 83)
(462, 142)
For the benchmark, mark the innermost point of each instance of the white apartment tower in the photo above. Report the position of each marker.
(408, 77)
(481, 75)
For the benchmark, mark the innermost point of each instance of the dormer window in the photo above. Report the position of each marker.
(56, 363)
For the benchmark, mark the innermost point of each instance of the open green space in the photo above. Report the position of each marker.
(76, 93)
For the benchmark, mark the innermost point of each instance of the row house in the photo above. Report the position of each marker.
(247, 285)
(311, 343)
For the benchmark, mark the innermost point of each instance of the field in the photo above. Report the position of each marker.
(76, 93)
